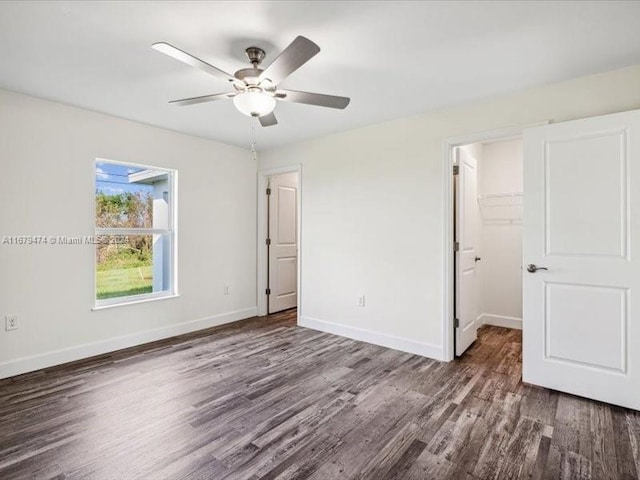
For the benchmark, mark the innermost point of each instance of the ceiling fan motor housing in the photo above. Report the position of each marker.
(249, 75)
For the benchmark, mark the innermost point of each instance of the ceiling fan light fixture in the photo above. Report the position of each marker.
(254, 103)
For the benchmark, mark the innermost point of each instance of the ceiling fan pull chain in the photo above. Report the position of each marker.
(254, 154)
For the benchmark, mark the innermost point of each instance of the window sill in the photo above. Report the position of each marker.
(133, 302)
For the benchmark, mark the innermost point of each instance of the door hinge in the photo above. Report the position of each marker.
(456, 322)
(268, 291)
(268, 241)
(456, 246)
(456, 169)
(268, 190)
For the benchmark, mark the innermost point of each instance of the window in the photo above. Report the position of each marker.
(135, 233)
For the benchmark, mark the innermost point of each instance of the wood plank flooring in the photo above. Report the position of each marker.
(266, 399)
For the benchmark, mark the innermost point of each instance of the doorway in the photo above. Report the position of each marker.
(487, 219)
(451, 149)
(279, 235)
(282, 242)
(578, 232)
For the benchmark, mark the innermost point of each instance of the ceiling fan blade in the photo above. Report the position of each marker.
(184, 57)
(202, 99)
(318, 99)
(299, 52)
(268, 120)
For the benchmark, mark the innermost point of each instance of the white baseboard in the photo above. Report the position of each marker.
(58, 357)
(397, 343)
(500, 321)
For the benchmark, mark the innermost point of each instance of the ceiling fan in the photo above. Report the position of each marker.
(256, 90)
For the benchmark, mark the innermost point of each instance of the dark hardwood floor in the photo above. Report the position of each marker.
(267, 399)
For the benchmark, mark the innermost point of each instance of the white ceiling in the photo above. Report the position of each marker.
(393, 59)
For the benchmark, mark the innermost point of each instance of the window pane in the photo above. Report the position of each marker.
(131, 197)
(129, 265)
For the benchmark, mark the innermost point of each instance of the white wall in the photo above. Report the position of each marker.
(47, 187)
(499, 273)
(372, 208)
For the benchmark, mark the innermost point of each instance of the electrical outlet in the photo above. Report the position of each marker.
(227, 289)
(361, 301)
(11, 322)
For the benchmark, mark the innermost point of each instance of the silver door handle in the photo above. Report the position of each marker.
(531, 268)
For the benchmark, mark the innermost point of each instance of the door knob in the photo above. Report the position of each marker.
(477, 259)
(531, 268)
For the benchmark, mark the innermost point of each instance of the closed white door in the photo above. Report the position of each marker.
(283, 237)
(581, 326)
(467, 251)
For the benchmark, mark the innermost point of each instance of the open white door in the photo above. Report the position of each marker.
(581, 326)
(466, 252)
(283, 248)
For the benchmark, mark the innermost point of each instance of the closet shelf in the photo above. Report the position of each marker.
(501, 208)
(500, 199)
(499, 195)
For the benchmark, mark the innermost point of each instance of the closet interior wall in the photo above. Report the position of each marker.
(500, 184)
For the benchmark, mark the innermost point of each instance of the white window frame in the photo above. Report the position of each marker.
(172, 231)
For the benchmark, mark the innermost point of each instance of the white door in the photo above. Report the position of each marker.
(467, 250)
(581, 326)
(283, 248)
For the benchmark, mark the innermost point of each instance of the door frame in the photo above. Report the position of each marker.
(448, 273)
(263, 221)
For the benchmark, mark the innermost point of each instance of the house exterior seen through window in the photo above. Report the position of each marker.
(135, 232)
